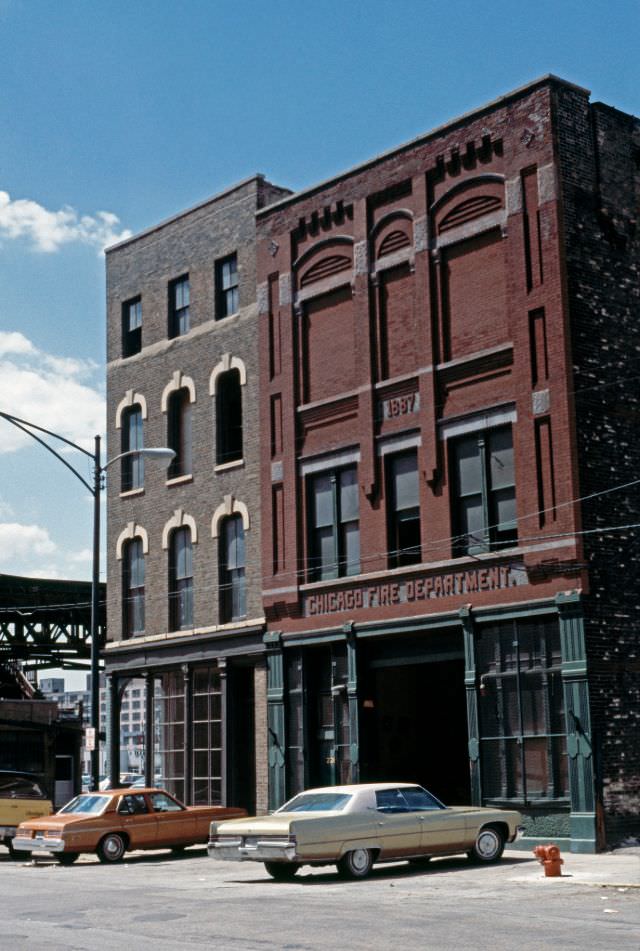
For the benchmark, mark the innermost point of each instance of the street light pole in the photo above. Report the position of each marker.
(95, 618)
(166, 455)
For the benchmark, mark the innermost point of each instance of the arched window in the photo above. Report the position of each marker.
(233, 597)
(133, 588)
(180, 580)
(179, 432)
(132, 467)
(228, 417)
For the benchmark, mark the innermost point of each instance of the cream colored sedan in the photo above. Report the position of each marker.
(355, 826)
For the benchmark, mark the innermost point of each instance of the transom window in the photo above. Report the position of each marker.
(334, 526)
(179, 301)
(484, 492)
(227, 299)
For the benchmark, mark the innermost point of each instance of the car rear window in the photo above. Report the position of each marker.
(20, 787)
(89, 804)
(316, 802)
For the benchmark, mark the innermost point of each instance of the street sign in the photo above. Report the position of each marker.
(90, 738)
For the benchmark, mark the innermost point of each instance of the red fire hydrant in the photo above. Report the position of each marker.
(549, 858)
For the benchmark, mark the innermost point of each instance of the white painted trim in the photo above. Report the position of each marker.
(227, 363)
(230, 506)
(178, 382)
(179, 520)
(132, 531)
(487, 419)
(130, 399)
(319, 464)
(398, 443)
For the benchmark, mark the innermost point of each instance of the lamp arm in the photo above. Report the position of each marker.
(18, 424)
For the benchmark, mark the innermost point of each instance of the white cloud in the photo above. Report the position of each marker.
(29, 551)
(57, 393)
(14, 342)
(49, 230)
(21, 542)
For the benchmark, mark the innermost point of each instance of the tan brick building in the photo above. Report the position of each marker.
(184, 550)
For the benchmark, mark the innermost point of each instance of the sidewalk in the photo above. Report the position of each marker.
(617, 869)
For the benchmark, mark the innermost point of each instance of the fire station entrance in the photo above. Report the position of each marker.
(413, 717)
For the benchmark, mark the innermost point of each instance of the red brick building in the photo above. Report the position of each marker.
(439, 392)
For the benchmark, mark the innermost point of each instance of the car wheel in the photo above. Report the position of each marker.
(18, 855)
(356, 864)
(282, 871)
(488, 847)
(111, 848)
(67, 858)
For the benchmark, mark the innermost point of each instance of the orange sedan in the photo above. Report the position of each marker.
(111, 823)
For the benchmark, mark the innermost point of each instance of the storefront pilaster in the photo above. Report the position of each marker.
(468, 631)
(579, 739)
(275, 719)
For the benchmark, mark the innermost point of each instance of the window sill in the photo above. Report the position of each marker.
(130, 492)
(179, 480)
(224, 466)
(222, 317)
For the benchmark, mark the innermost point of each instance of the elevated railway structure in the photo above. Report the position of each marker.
(46, 622)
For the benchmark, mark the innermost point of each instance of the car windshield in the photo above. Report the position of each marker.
(88, 804)
(316, 802)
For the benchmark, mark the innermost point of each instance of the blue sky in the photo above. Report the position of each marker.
(116, 115)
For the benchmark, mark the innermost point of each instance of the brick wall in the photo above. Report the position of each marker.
(599, 154)
(189, 243)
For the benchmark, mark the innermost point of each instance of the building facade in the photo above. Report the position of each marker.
(447, 338)
(184, 553)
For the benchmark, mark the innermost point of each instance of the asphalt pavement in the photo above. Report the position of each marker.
(157, 901)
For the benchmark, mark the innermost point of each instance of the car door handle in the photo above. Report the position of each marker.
(381, 823)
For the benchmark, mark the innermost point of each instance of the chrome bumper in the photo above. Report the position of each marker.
(261, 852)
(38, 844)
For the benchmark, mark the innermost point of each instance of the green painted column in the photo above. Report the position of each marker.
(579, 744)
(352, 699)
(473, 727)
(276, 719)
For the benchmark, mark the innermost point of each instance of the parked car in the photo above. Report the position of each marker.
(112, 822)
(21, 797)
(355, 826)
(126, 779)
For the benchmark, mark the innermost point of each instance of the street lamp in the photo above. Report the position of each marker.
(161, 453)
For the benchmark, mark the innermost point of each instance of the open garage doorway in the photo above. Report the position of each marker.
(413, 723)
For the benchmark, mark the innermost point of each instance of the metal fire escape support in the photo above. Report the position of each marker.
(47, 622)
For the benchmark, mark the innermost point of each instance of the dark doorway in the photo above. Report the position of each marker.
(413, 727)
(241, 777)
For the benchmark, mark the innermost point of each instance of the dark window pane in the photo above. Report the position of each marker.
(131, 327)
(179, 300)
(228, 417)
(179, 435)
(227, 300)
